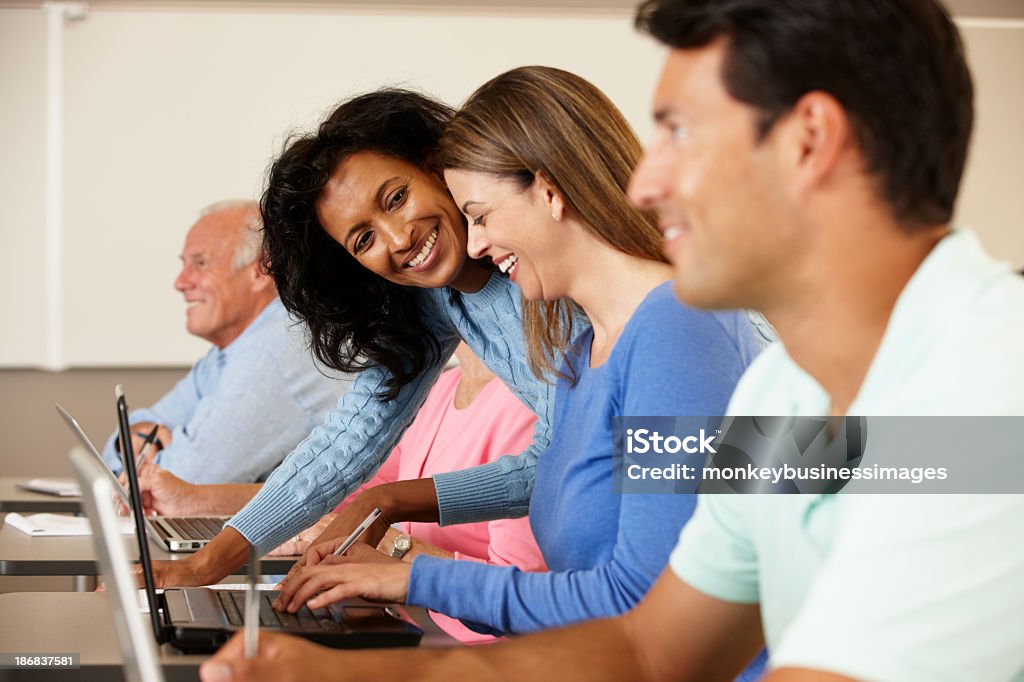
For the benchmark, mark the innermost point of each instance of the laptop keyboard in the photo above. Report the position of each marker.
(195, 528)
(234, 607)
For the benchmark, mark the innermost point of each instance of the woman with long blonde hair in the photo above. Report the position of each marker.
(538, 160)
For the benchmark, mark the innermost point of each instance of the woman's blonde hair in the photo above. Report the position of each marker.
(537, 119)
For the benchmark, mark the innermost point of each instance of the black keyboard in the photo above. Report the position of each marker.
(195, 528)
(234, 607)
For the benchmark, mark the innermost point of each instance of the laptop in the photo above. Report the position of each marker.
(199, 620)
(138, 648)
(173, 533)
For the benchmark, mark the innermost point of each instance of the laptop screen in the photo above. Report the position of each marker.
(141, 660)
(124, 433)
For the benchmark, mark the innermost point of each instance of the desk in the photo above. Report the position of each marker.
(21, 554)
(14, 499)
(73, 622)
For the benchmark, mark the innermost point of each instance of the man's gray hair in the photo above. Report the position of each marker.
(251, 243)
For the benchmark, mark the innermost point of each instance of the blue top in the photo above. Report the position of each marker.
(604, 550)
(349, 447)
(241, 409)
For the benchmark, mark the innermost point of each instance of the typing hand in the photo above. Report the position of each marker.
(345, 521)
(301, 542)
(362, 572)
(281, 658)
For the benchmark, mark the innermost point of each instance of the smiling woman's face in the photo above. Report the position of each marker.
(398, 221)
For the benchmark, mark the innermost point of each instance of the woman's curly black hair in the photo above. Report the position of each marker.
(354, 316)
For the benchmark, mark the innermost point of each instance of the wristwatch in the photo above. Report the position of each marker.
(401, 546)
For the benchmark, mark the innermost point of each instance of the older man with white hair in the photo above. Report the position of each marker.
(257, 392)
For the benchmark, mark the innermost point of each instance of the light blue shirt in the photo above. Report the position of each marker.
(887, 587)
(242, 408)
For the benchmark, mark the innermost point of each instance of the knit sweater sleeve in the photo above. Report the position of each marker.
(490, 321)
(679, 364)
(347, 449)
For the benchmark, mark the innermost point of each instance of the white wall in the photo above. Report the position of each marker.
(166, 111)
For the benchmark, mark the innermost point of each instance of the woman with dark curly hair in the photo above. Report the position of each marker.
(368, 249)
(538, 159)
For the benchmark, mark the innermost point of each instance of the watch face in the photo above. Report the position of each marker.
(403, 543)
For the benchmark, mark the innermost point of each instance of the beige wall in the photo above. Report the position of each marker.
(36, 441)
(991, 197)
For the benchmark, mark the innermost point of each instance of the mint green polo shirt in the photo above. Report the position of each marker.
(887, 587)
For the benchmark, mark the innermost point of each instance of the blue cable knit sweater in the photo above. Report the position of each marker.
(338, 456)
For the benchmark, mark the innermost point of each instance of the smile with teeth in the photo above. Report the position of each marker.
(507, 263)
(424, 252)
(672, 232)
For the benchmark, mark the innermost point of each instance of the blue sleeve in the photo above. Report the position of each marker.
(172, 410)
(675, 362)
(500, 489)
(225, 439)
(515, 602)
(343, 452)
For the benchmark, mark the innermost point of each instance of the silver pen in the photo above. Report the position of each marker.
(145, 447)
(252, 606)
(358, 532)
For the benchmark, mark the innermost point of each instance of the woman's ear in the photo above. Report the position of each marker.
(550, 194)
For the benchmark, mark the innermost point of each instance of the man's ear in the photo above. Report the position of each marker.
(261, 281)
(814, 136)
(549, 194)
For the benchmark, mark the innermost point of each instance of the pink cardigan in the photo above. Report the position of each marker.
(442, 439)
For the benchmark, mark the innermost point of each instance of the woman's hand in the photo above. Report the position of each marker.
(344, 522)
(362, 572)
(301, 542)
(183, 573)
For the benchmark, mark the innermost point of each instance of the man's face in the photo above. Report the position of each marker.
(220, 299)
(718, 190)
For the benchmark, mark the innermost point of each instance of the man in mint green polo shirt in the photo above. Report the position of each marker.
(806, 164)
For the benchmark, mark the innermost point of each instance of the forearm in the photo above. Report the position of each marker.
(412, 500)
(593, 652)
(222, 499)
(418, 548)
(222, 556)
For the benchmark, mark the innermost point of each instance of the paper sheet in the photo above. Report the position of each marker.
(52, 487)
(56, 525)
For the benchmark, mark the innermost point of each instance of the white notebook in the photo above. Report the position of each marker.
(54, 525)
(52, 487)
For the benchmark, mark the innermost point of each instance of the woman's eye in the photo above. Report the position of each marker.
(477, 220)
(397, 198)
(362, 242)
(679, 133)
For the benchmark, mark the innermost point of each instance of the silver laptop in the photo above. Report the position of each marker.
(138, 648)
(173, 533)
